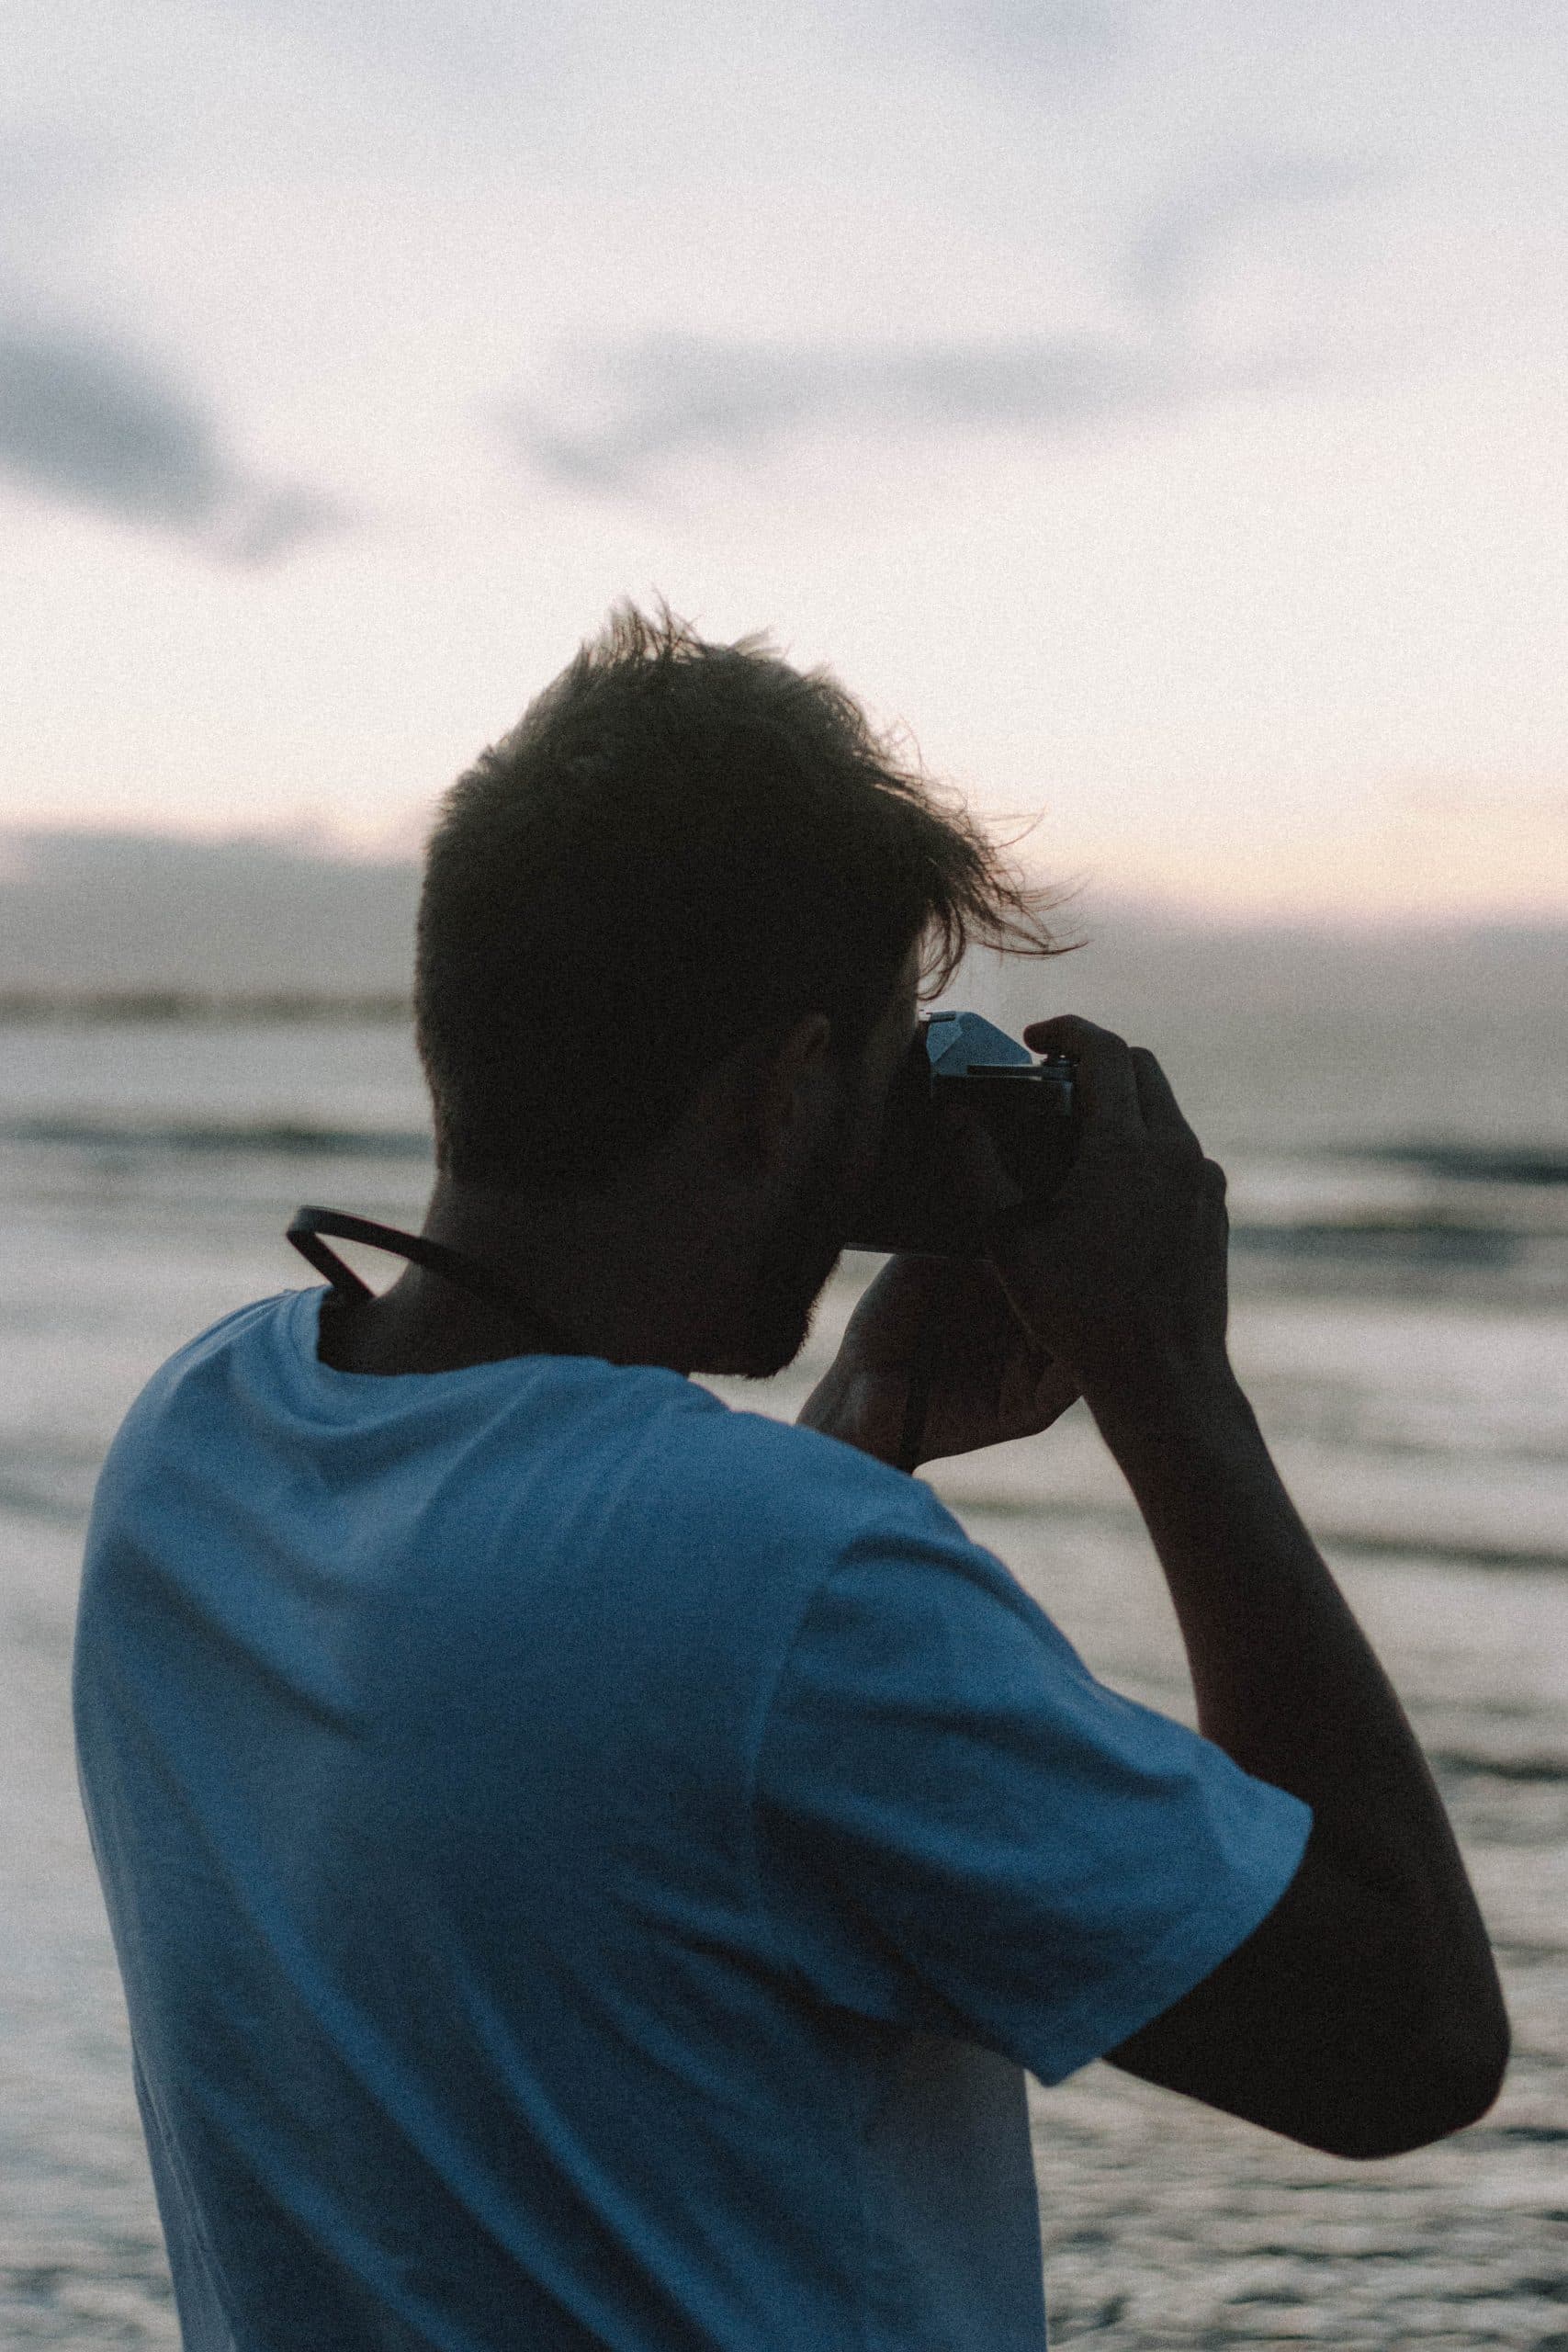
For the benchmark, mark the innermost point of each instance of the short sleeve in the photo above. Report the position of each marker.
(959, 1828)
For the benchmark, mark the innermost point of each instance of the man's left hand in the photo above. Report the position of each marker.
(946, 1321)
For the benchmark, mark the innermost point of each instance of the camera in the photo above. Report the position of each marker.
(960, 1070)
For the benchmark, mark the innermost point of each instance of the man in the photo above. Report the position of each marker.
(589, 1868)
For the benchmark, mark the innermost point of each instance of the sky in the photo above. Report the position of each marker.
(1156, 407)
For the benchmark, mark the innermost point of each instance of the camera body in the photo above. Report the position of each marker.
(962, 1069)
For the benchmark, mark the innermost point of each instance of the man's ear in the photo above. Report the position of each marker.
(771, 1093)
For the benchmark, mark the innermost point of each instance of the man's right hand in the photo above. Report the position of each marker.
(1123, 1278)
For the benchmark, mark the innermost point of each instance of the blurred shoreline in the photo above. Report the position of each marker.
(79, 1006)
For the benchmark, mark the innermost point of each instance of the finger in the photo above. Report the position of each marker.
(1106, 1085)
(1162, 1113)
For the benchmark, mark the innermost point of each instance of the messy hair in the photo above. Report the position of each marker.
(681, 846)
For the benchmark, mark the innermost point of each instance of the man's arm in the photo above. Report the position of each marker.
(1363, 2016)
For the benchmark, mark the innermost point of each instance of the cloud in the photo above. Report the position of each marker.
(52, 186)
(1212, 214)
(1053, 34)
(88, 423)
(673, 396)
(629, 409)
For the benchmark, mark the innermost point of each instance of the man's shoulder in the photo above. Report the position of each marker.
(749, 1467)
(202, 1370)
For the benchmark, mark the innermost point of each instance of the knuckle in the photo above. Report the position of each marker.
(1072, 1026)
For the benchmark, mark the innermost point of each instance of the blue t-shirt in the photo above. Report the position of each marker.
(590, 1867)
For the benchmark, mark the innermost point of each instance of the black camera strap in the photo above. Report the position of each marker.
(308, 1225)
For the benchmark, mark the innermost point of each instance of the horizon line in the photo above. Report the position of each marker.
(388, 851)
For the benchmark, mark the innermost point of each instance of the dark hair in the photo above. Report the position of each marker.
(680, 846)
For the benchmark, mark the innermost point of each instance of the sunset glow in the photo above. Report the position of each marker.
(1157, 410)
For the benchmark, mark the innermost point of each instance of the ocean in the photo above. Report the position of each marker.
(1399, 1167)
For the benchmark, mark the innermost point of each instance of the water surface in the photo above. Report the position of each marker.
(1402, 1322)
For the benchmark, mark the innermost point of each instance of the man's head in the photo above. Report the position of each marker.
(684, 855)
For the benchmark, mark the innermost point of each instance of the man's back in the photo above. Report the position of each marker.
(588, 1867)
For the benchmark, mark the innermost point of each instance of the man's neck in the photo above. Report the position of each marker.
(636, 1277)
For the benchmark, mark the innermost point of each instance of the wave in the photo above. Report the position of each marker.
(1417, 1239)
(289, 1139)
(1432, 1232)
(1418, 1544)
(87, 1007)
(62, 1506)
(1526, 1771)
(1473, 1163)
